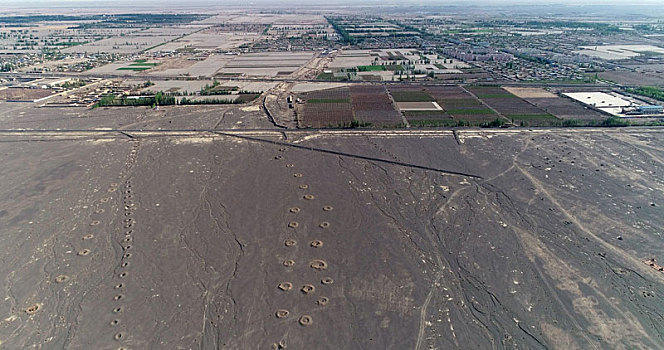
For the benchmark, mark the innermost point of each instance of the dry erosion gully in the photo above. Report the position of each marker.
(381, 239)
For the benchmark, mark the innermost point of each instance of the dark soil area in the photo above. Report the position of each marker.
(564, 108)
(371, 104)
(343, 239)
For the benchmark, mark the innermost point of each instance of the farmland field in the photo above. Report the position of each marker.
(394, 67)
(321, 115)
(328, 100)
(458, 106)
(269, 64)
(130, 43)
(352, 58)
(370, 68)
(432, 122)
(309, 87)
(327, 94)
(138, 69)
(427, 118)
(565, 108)
(206, 67)
(470, 111)
(460, 103)
(419, 106)
(441, 93)
(403, 95)
(371, 104)
(370, 77)
(513, 107)
(24, 94)
(326, 108)
(435, 114)
(649, 78)
(207, 40)
(244, 98)
(484, 92)
(527, 93)
(531, 117)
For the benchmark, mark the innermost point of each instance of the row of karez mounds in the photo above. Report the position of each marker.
(313, 241)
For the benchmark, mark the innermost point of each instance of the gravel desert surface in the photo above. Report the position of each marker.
(337, 239)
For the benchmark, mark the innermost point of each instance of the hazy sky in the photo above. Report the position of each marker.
(328, 2)
(608, 7)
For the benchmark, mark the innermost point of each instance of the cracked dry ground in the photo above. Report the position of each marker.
(223, 242)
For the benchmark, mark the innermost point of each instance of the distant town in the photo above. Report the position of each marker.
(499, 72)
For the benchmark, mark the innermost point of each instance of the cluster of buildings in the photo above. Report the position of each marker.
(617, 104)
(477, 55)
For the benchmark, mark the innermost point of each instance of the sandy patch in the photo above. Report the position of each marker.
(419, 106)
(529, 92)
(193, 140)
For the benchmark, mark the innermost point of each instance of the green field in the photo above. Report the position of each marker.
(474, 111)
(70, 43)
(330, 77)
(143, 64)
(453, 123)
(433, 122)
(531, 117)
(370, 68)
(412, 96)
(325, 76)
(649, 91)
(138, 69)
(423, 113)
(490, 92)
(244, 98)
(328, 100)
